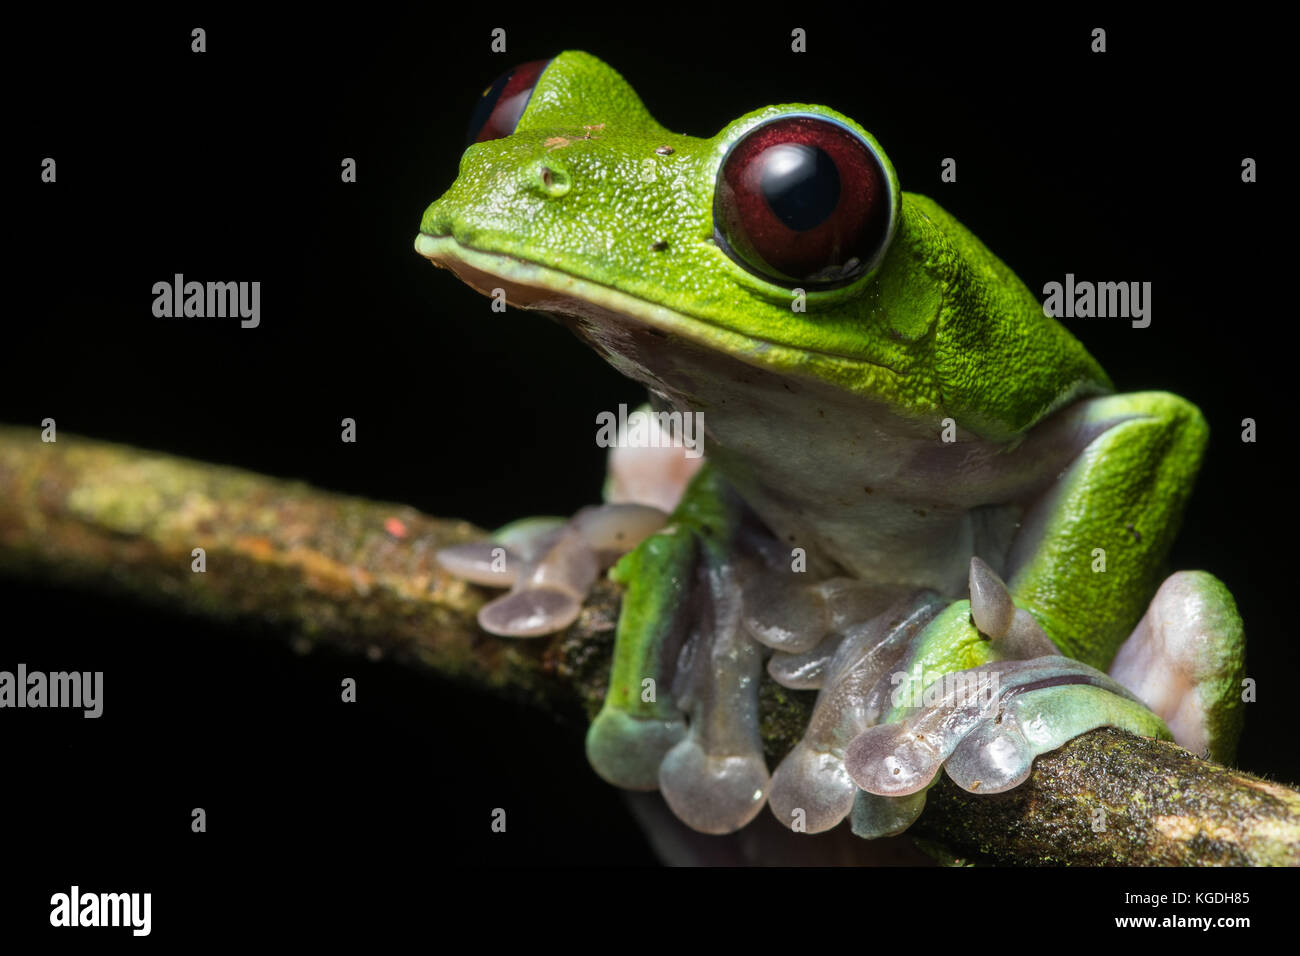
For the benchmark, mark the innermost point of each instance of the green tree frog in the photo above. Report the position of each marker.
(919, 495)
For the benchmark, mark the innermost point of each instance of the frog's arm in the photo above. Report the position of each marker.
(712, 775)
(639, 722)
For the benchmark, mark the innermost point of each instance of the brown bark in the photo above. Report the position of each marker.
(360, 574)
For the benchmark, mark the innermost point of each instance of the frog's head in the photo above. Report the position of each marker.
(783, 242)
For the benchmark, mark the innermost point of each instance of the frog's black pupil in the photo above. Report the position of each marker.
(486, 104)
(801, 184)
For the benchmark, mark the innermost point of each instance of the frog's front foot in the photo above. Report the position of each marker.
(715, 779)
(681, 714)
(812, 789)
(549, 564)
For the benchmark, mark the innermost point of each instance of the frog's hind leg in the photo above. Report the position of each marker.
(1090, 554)
(1186, 661)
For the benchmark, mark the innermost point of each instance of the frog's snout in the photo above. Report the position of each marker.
(436, 223)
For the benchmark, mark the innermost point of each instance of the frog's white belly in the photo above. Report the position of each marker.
(846, 488)
(860, 488)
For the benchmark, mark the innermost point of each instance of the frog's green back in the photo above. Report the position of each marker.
(1001, 364)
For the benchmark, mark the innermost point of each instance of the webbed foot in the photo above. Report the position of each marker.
(976, 687)
(549, 565)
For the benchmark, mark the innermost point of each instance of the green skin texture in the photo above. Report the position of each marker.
(579, 201)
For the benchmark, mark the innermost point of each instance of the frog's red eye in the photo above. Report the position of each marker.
(803, 199)
(502, 103)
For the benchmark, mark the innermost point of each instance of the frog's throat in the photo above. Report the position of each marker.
(529, 285)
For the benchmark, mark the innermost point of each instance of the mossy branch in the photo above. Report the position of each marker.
(360, 574)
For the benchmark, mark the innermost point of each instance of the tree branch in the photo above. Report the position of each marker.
(361, 575)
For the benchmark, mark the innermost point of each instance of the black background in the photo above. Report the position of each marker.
(225, 165)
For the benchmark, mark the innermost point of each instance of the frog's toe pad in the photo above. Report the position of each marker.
(481, 562)
(550, 567)
(627, 750)
(496, 562)
(808, 670)
(1184, 660)
(998, 754)
(530, 613)
(811, 789)
(1016, 635)
(989, 723)
(794, 618)
(874, 816)
(713, 793)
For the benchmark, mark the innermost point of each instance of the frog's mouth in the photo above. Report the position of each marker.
(530, 285)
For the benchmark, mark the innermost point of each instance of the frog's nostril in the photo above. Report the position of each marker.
(552, 181)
